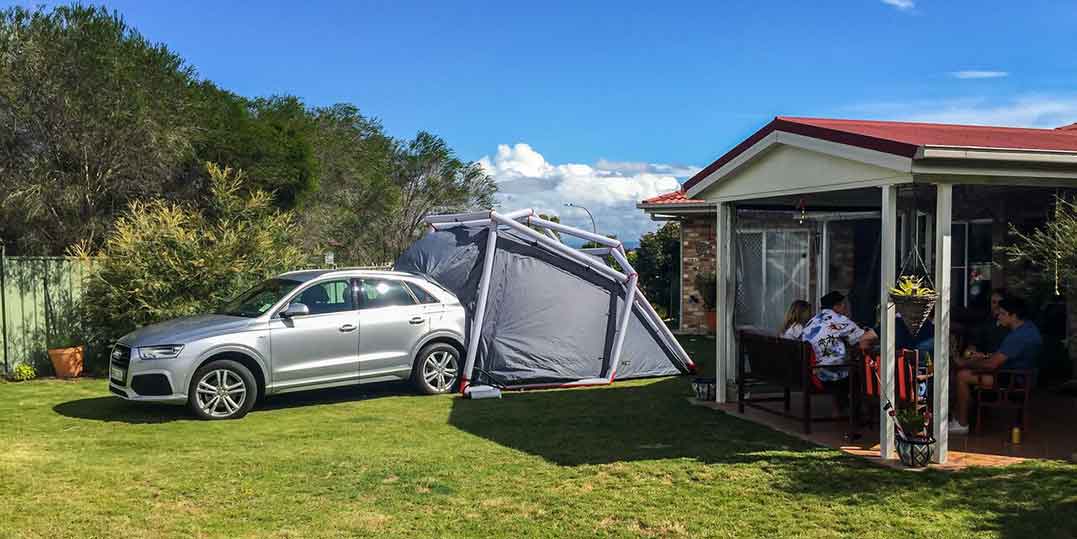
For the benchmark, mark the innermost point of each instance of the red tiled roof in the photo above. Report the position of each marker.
(904, 138)
(673, 198)
(1070, 127)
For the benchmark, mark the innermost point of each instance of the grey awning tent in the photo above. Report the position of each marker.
(541, 313)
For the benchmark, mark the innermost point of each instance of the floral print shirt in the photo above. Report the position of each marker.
(829, 333)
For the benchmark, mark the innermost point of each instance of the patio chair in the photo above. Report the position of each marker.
(906, 367)
(1012, 390)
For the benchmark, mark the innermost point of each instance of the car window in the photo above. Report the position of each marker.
(422, 295)
(375, 293)
(259, 299)
(327, 297)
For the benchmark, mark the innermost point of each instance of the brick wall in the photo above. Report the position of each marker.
(698, 256)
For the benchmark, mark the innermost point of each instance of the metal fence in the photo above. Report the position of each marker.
(38, 306)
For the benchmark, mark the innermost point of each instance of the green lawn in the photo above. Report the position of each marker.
(630, 460)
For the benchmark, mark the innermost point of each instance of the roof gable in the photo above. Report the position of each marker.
(902, 139)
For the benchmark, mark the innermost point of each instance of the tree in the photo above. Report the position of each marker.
(430, 179)
(270, 139)
(1051, 246)
(165, 259)
(656, 262)
(92, 116)
(354, 159)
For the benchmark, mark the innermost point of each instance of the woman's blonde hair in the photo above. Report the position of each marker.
(799, 313)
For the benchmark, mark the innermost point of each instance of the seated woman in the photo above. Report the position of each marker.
(1020, 349)
(798, 314)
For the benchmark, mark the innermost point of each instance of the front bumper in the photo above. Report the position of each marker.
(134, 379)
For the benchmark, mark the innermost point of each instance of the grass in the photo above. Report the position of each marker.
(632, 460)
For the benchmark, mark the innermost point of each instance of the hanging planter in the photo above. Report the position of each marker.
(913, 301)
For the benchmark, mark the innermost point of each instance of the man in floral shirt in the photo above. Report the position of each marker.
(829, 332)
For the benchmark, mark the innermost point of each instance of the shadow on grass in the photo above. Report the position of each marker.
(654, 422)
(115, 409)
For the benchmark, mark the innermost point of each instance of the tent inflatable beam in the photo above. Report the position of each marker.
(546, 235)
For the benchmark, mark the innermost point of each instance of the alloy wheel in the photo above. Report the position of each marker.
(220, 393)
(439, 370)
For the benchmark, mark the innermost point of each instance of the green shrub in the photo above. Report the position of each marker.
(164, 260)
(23, 372)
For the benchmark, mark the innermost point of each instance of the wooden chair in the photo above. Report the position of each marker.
(1012, 390)
(785, 363)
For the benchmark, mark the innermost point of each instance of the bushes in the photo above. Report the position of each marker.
(163, 260)
(23, 372)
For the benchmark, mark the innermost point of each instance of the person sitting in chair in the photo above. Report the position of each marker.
(799, 313)
(829, 331)
(1019, 350)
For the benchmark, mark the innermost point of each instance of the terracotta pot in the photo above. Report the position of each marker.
(712, 320)
(67, 362)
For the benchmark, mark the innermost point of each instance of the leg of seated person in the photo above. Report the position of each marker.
(965, 380)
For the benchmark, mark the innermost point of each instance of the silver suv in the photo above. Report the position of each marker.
(301, 330)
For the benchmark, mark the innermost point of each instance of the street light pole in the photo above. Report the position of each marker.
(594, 229)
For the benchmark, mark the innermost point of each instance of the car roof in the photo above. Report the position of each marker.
(311, 274)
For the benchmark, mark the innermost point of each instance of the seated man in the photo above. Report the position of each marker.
(828, 332)
(989, 334)
(1019, 350)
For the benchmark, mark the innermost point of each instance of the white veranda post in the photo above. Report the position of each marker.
(725, 276)
(590, 258)
(941, 390)
(887, 350)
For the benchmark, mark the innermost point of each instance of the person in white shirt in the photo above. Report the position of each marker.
(798, 314)
(829, 332)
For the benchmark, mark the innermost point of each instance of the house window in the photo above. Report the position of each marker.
(971, 259)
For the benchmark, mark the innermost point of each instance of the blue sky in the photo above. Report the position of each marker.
(606, 102)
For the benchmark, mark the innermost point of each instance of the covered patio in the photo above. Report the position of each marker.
(847, 203)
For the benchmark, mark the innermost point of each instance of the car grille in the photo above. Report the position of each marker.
(121, 358)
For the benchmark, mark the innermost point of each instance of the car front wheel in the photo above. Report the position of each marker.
(437, 369)
(222, 389)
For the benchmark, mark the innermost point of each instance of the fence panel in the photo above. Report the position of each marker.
(40, 298)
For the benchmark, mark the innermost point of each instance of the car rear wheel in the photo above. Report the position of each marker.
(222, 389)
(437, 369)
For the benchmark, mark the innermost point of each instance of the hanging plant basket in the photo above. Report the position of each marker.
(914, 451)
(913, 301)
(914, 311)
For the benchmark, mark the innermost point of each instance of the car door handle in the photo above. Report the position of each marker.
(347, 327)
(416, 320)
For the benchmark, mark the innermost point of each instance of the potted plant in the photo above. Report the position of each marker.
(914, 444)
(707, 285)
(66, 351)
(913, 300)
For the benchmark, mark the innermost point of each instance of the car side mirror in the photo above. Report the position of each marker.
(294, 309)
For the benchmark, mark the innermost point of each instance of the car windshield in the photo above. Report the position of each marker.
(259, 299)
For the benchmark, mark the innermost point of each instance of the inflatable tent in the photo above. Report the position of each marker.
(541, 313)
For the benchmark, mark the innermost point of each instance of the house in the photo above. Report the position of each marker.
(807, 205)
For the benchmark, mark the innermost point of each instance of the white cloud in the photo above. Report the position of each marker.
(1024, 111)
(903, 5)
(978, 74)
(610, 189)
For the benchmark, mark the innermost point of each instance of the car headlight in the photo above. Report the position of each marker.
(166, 351)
